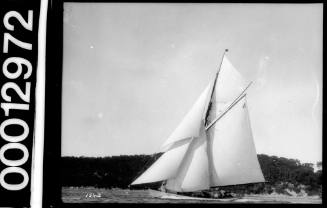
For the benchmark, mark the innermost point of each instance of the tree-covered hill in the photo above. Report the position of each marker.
(120, 171)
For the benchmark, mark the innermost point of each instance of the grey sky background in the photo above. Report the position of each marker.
(132, 71)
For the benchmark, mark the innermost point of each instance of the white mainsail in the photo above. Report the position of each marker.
(198, 157)
(230, 82)
(234, 156)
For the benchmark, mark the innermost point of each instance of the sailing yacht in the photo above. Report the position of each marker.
(213, 145)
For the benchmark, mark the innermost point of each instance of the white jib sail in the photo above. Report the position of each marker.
(190, 125)
(193, 174)
(175, 147)
(166, 166)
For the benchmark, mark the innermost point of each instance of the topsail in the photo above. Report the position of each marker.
(204, 151)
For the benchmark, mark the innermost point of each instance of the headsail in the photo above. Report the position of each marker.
(166, 166)
(193, 174)
(196, 158)
(169, 164)
(177, 144)
(191, 123)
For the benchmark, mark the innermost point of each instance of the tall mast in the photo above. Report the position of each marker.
(213, 88)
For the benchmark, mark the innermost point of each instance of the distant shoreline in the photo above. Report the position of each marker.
(283, 175)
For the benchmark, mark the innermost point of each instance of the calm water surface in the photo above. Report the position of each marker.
(98, 195)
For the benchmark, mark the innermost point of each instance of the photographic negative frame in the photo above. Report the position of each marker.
(53, 172)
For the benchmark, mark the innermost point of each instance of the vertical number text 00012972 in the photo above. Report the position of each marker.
(15, 98)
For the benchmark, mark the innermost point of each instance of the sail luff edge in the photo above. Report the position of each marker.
(206, 111)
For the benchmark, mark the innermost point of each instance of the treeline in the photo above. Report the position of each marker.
(280, 169)
(106, 172)
(120, 171)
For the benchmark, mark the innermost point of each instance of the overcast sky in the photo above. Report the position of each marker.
(132, 71)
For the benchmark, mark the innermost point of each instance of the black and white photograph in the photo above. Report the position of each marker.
(192, 103)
